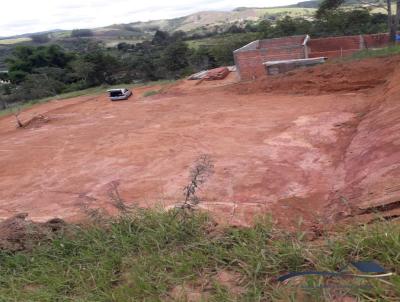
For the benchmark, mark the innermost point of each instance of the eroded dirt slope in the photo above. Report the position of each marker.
(372, 159)
(290, 155)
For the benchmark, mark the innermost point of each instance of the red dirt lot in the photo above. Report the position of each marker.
(320, 157)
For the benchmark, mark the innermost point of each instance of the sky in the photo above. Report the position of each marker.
(28, 16)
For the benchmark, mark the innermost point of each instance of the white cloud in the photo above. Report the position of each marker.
(25, 16)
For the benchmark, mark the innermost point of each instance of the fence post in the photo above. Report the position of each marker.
(362, 42)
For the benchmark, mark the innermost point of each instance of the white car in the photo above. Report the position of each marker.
(119, 94)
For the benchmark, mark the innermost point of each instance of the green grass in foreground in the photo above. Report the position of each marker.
(145, 256)
(90, 91)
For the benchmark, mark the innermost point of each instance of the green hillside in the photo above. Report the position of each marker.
(197, 22)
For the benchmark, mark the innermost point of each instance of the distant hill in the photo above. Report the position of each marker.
(307, 4)
(27, 35)
(195, 23)
(200, 22)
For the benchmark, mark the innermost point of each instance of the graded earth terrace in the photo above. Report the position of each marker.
(320, 144)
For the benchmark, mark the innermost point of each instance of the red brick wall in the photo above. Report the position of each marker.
(284, 53)
(376, 41)
(333, 53)
(249, 64)
(334, 46)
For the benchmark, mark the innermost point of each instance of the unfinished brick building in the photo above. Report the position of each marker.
(249, 59)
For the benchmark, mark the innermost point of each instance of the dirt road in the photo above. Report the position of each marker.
(287, 155)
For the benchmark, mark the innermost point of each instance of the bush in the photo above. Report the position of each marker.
(175, 58)
(37, 86)
(202, 59)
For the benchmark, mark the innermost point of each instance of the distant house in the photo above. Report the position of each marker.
(250, 59)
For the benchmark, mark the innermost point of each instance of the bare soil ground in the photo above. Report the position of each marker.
(320, 145)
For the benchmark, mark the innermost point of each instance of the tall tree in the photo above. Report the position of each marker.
(161, 38)
(392, 19)
(395, 26)
(25, 59)
(327, 6)
(175, 57)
